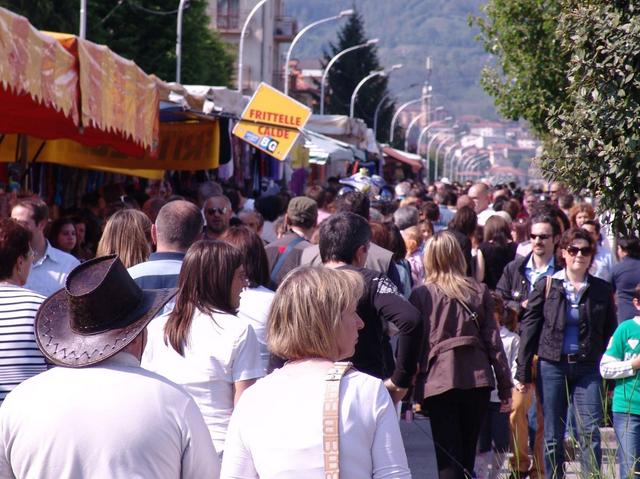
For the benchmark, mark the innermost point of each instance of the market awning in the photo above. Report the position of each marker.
(323, 149)
(56, 86)
(411, 159)
(184, 146)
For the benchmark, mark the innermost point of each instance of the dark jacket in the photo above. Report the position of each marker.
(514, 286)
(543, 323)
(457, 353)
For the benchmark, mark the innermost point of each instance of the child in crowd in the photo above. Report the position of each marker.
(621, 362)
(493, 443)
(412, 237)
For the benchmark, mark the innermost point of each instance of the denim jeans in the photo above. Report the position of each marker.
(581, 384)
(627, 427)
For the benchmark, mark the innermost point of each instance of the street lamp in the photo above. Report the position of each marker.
(371, 75)
(242, 35)
(179, 40)
(397, 113)
(344, 13)
(379, 106)
(373, 41)
(408, 130)
(83, 19)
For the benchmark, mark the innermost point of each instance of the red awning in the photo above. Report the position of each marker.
(405, 157)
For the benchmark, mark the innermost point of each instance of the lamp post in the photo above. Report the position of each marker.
(371, 75)
(397, 113)
(415, 120)
(344, 13)
(373, 41)
(83, 19)
(179, 40)
(379, 106)
(448, 154)
(242, 35)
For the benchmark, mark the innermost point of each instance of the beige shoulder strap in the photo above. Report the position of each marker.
(547, 286)
(331, 419)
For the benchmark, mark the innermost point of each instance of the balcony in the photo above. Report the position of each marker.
(284, 29)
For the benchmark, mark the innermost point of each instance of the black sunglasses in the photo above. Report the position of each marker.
(220, 211)
(574, 250)
(542, 237)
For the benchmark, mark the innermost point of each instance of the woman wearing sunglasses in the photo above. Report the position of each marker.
(568, 322)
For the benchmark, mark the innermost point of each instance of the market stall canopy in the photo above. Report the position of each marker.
(350, 130)
(323, 149)
(56, 86)
(411, 159)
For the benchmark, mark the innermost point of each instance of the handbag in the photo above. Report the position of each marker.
(331, 419)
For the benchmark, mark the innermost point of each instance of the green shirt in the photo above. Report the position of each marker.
(625, 345)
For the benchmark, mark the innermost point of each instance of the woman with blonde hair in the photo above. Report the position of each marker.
(127, 234)
(276, 430)
(461, 347)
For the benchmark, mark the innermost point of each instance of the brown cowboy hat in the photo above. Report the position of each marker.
(97, 314)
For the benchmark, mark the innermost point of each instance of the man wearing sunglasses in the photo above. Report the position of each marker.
(514, 286)
(217, 214)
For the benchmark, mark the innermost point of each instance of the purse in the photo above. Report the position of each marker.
(331, 419)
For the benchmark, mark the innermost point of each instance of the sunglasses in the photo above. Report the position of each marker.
(542, 237)
(574, 250)
(220, 211)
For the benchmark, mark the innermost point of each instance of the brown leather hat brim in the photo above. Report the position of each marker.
(65, 347)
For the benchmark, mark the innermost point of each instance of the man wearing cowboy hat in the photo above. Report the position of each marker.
(100, 414)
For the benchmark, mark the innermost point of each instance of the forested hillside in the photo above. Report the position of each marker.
(409, 31)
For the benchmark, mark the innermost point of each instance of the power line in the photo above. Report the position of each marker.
(154, 12)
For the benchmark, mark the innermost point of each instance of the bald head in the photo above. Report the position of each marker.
(178, 226)
(479, 193)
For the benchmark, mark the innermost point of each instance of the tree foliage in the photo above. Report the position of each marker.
(530, 78)
(130, 29)
(595, 135)
(346, 73)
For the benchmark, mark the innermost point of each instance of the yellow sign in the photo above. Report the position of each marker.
(271, 121)
(184, 146)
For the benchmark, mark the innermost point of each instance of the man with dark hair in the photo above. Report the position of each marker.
(284, 254)
(217, 213)
(517, 281)
(51, 266)
(344, 242)
(378, 258)
(177, 227)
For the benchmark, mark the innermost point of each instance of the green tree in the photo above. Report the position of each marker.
(530, 77)
(143, 31)
(346, 73)
(595, 142)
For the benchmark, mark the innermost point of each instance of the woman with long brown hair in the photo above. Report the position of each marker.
(201, 344)
(461, 347)
(127, 234)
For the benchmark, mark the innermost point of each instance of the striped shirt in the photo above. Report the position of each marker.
(20, 357)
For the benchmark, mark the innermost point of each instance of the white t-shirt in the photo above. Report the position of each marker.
(285, 440)
(255, 304)
(112, 420)
(222, 349)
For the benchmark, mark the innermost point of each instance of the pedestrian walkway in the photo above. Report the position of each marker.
(422, 459)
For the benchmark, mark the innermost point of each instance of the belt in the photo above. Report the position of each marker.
(570, 358)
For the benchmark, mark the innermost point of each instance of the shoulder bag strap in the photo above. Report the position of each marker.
(472, 314)
(547, 286)
(278, 266)
(331, 419)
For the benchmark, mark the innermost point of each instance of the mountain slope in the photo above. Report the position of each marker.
(409, 31)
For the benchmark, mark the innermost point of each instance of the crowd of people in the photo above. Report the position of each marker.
(168, 333)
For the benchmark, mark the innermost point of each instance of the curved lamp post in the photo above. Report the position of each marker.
(83, 19)
(344, 13)
(242, 35)
(179, 40)
(371, 75)
(464, 159)
(379, 106)
(407, 132)
(397, 113)
(373, 41)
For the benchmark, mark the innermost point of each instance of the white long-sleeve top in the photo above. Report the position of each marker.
(511, 345)
(276, 428)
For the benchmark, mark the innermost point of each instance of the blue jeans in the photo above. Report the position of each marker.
(581, 384)
(627, 427)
